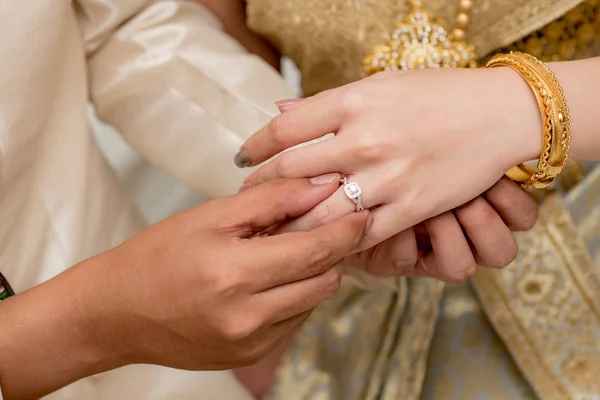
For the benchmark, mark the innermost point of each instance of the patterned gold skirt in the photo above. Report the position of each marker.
(531, 331)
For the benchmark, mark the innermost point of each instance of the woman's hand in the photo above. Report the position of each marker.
(446, 247)
(200, 290)
(419, 143)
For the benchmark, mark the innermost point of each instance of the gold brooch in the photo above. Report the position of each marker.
(420, 42)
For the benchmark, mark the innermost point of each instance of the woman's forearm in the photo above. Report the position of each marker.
(580, 81)
(51, 335)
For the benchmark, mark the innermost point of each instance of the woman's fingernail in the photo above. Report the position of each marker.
(245, 186)
(324, 179)
(242, 159)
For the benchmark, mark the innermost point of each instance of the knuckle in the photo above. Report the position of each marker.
(353, 101)
(332, 282)
(282, 190)
(416, 200)
(323, 213)
(404, 262)
(285, 166)
(248, 354)
(502, 203)
(370, 149)
(320, 259)
(461, 274)
(230, 281)
(279, 129)
(263, 345)
(237, 327)
(366, 241)
(282, 186)
(252, 355)
(483, 219)
(253, 350)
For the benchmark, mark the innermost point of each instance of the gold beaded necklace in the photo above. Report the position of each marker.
(419, 42)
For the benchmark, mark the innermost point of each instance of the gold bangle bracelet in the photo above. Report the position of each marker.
(556, 123)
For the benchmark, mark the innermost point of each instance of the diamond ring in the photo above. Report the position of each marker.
(354, 192)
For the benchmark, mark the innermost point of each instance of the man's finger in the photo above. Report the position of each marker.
(293, 265)
(492, 240)
(397, 256)
(451, 258)
(263, 206)
(331, 209)
(516, 207)
(336, 206)
(287, 301)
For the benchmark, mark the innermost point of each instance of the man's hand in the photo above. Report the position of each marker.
(449, 247)
(201, 290)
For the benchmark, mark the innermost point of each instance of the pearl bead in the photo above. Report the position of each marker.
(458, 34)
(466, 4)
(462, 19)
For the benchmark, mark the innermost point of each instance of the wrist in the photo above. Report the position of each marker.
(521, 121)
(53, 335)
(580, 82)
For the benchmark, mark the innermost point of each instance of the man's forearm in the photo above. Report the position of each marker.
(581, 83)
(48, 338)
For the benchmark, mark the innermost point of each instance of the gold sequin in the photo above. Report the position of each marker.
(329, 40)
(546, 306)
(575, 35)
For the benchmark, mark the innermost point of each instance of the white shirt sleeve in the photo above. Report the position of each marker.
(183, 92)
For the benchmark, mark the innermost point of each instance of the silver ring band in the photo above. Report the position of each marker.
(354, 193)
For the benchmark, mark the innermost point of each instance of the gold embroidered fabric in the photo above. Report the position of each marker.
(531, 331)
(343, 353)
(572, 36)
(549, 307)
(328, 40)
